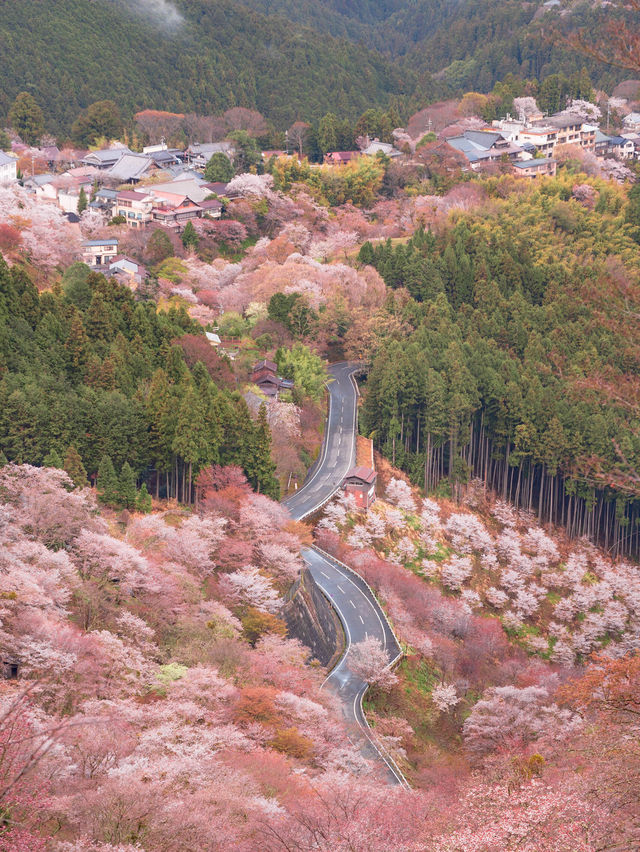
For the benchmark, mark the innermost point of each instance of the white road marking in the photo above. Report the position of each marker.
(361, 618)
(340, 587)
(325, 575)
(352, 603)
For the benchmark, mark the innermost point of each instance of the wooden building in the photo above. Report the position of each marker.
(361, 483)
(265, 376)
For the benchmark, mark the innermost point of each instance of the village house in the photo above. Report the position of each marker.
(83, 175)
(35, 183)
(8, 169)
(135, 206)
(173, 210)
(104, 199)
(360, 483)
(213, 338)
(104, 159)
(535, 168)
(212, 208)
(378, 147)
(631, 122)
(193, 187)
(131, 271)
(485, 146)
(265, 376)
(634, 138)
(98, 254)
(163, 156)
(544, 139)
(621, 147)
(199, 154)
(340, 158)
(131, 168)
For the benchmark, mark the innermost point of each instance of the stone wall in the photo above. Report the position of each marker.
(310, 618)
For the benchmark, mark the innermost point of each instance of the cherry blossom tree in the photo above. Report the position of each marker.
(251, 185)
(445, 697)
(456, 571)
(248, 586)
(360, 537)
(509, 715)
(280, 559)
(399, 493)
(468, 533)
(368, 660)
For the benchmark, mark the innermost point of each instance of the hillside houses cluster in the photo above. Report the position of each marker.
(166, 185)
(161, 184)
(529, 143)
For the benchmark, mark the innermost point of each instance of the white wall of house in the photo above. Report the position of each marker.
(8, 172)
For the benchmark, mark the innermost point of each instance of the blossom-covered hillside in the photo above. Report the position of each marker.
(559, 599)
(160, 706)
(156, 684)
(520, 664)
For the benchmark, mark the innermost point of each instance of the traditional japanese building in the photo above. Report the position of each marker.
(360, 482)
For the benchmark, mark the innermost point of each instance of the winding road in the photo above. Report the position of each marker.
(351, 597)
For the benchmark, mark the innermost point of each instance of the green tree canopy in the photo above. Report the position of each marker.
(127, 492)
(305, 368)
(107, 482)
(189, 236)
(219, 169)
(82, 201)
(26, 118)
(100, 120)
(74, 467)
(247, 154)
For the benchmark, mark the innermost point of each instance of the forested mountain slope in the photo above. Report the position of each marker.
(90, 368)
(204, 59)
(469, 43)
(521, 368)
(287, 59)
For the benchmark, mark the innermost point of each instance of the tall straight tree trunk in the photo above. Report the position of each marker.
(540, 494)
(517, 497)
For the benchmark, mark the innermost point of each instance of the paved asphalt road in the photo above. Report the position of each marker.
(352, 599)
(338, 453)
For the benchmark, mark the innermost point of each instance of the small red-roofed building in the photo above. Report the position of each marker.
(360, 482)
(340, 158)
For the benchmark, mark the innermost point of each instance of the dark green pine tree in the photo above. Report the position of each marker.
(191, 442)
(258, 466)
(366, 254)
(74, 467)
(190, 237)
(108, 490)
(53, 459)
(127, 492)
(82, 201)
(143, 500)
